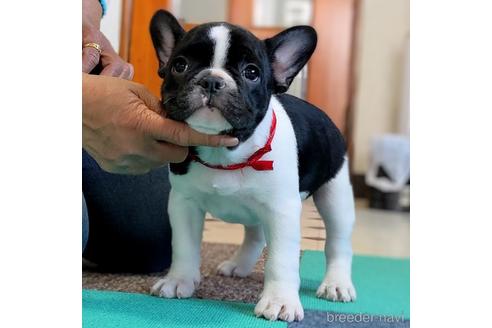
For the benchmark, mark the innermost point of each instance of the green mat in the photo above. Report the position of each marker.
(382, 284)
(125, 310)
(383, 288)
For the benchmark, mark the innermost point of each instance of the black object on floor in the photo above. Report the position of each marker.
(393, 201)
(319, 319)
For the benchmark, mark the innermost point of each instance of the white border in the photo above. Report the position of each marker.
(451, 101)
(40, 164)
(40, 178)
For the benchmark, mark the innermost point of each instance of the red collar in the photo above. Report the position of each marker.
(254, 160)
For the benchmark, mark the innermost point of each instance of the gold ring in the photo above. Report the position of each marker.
(93, 45)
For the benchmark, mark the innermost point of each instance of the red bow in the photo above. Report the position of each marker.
(254, 160)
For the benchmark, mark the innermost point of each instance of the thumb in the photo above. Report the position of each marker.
(178, 133)
(90, 59)
(151, 101)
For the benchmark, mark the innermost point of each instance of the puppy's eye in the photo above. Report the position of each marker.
(251, 72)
(180, 65)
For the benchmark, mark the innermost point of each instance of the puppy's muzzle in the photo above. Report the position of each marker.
(212, 84)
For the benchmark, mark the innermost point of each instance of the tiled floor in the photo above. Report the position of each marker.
(381, 233)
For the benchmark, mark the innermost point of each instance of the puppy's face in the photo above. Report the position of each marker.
(219, 77)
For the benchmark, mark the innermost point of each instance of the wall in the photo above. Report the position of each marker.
(202, 11)
(286, 13)
(111, 23)
(383, 32)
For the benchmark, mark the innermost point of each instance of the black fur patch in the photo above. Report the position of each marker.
(182, 168)
(320, 145)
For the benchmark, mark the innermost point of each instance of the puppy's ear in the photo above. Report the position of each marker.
(165, 32)
(289, 51)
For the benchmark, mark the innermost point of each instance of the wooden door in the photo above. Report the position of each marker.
(329, 71)
(142, 54)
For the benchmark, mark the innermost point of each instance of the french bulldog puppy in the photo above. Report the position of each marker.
(221, 79)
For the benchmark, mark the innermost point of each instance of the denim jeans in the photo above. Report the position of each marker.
(125, 223)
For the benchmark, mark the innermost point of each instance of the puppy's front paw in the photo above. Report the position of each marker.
(230, 268)
(172, 287)
(337, 287)
(280, 305)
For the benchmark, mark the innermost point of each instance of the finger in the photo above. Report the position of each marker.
(150, 101)
(114, 68)
(132, 72)
(127, 72)
(90, 59)
(194, 138)
(112, 64)
(108, 48)
(181, 134)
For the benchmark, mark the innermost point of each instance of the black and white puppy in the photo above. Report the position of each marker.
(221, 79)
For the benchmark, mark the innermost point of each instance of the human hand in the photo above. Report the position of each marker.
(125, 129)
(112, 64)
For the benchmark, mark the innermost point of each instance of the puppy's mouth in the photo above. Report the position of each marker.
(208, 120)
(224, 113)
(205, 129)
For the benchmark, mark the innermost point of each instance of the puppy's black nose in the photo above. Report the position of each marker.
(212, 83)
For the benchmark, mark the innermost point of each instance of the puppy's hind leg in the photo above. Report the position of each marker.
(335, 202)
(243, 261)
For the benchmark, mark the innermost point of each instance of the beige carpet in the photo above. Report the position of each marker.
(212, 286)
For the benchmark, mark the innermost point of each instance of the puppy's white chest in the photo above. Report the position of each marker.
(234, 209)
(245, 195)
(227, 195)
(224, 185)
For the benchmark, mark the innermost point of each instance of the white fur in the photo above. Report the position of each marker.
(335, 202)
(222, 156)
(208, 120)
(268, 203)
(187, 223)
(220, 35)
(243, 261)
